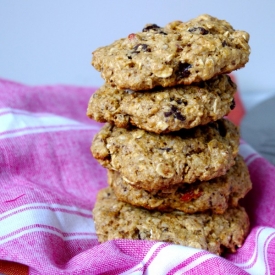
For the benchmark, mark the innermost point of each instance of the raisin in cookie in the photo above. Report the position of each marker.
(212, 232)
(151, 161)
(216, 195)
(179, 53)
(164, 109)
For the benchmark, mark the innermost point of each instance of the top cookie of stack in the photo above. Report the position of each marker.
(179, 53)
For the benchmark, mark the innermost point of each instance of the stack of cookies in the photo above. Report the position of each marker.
(174, 171)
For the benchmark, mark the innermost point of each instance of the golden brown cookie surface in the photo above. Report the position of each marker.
(179, 53)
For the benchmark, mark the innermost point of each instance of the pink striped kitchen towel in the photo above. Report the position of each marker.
(49, 183)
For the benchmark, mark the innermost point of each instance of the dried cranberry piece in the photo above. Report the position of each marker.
(141, 47)
(153, 27)
(183, 70)
(191, 195)
(199, 30)
(131, 36)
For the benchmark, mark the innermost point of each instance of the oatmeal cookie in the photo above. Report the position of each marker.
(164, 109)
(151, 161)
(217, 194)
(179, 53)
(212, 232)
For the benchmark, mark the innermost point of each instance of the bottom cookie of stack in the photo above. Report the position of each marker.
(213, 232)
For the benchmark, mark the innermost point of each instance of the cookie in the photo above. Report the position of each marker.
(217, 194)
(179, 53)
(212, 232)
(152, 162)
(164, 109)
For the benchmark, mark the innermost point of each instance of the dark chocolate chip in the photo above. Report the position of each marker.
(174, 109)
(179, 116)
(183, 70)
(224, 43)
(233, 104)
(167, 114)
(153, 27)
(199, 30)
(141, 47)
(179, 101)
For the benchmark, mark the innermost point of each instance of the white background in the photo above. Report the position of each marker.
(50, 42)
